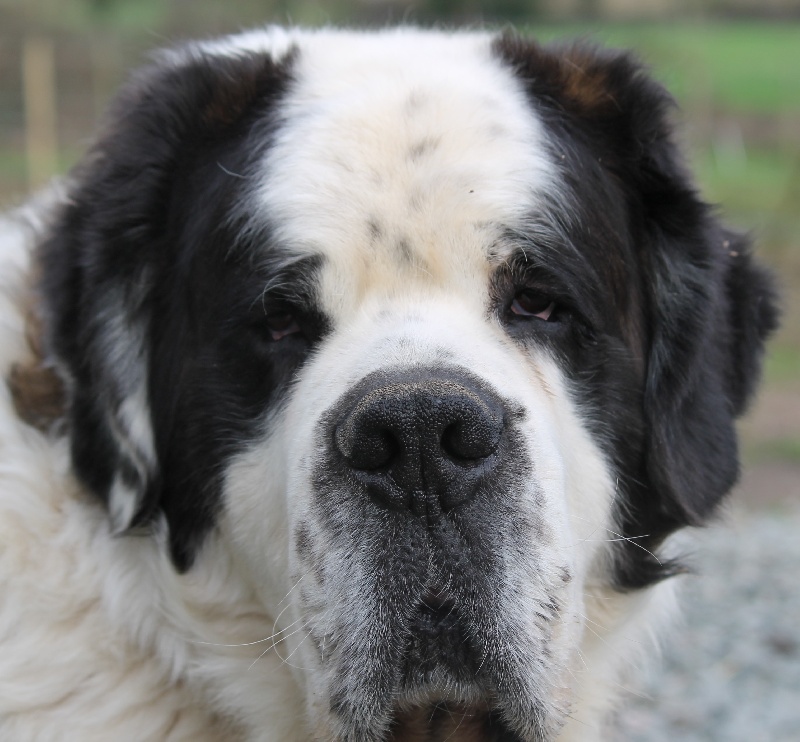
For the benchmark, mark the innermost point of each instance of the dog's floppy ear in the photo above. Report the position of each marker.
(708, 306)
(711, 310)
(107, 250)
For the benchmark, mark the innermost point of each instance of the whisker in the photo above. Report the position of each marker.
(285, 660)
(623, 657)
(620, 537)
(583, 659)
(274, 645)
(246, 644)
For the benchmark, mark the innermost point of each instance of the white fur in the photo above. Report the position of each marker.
(99, 637)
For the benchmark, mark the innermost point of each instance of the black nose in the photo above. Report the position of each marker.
(421, 442)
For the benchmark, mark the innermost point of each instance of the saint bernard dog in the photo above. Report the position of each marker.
(353, 384)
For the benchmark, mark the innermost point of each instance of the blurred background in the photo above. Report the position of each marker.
(734, 66)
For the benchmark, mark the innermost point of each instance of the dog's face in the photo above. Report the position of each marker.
(432, 330)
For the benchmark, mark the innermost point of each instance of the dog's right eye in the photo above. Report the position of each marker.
(530, 303)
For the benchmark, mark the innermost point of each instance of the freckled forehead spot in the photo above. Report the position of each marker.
(396, 154)
(416, 101)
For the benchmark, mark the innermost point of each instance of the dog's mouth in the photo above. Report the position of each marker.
(447, 681)
(441, 658)
(453, 722)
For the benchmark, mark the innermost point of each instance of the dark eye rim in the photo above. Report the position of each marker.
(278, 322)
(564, 318)
(533, 304)
(281, 324)
(269, 324)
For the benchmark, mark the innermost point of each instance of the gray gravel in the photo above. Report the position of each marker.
(731, 671)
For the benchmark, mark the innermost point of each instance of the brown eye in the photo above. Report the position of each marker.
(530, 303)
(280, 325)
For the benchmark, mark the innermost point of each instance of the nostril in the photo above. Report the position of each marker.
(470, 443)
(369, 449)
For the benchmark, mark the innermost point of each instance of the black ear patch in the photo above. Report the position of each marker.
(710, 317)
(112, 253)
(754, 316)
(707, 306)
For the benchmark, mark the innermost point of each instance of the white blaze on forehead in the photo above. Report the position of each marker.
(400, 153)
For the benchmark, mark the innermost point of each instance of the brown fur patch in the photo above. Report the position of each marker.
(579, 77)
(251, 78)
(36, 390)
(585, 82)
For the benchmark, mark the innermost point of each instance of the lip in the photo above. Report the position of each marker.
(447, 675)
(454, 722)
(442, 697)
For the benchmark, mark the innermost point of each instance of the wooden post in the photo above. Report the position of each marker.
(39, 86)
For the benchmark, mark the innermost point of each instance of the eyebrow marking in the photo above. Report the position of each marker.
(375, 229)
(423, 147)
(403, 248)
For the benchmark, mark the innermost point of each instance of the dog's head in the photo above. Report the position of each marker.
(433, 329)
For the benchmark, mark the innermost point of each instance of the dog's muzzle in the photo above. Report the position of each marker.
(423, 485)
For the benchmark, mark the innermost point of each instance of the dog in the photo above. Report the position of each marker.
(355, 384)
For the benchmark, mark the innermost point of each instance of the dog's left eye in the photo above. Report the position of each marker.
(531, 303)
(281, 325)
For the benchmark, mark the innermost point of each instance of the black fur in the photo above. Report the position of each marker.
(149, 225)
(681, 309)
